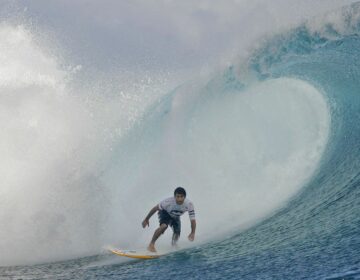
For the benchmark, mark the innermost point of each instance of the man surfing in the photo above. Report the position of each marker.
(169, 212)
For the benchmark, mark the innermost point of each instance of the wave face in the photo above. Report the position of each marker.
(268, 150)
(307, 81)
(316, 235)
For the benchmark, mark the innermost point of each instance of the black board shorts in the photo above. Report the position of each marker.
(165, 218)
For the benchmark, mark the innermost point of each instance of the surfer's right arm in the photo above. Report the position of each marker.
(152, 211)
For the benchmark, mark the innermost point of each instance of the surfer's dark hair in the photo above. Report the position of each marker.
(180, 190)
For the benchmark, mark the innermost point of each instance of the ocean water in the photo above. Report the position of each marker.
(96, 132)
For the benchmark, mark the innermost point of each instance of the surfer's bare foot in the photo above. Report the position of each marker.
(175, 246)
(151, 248)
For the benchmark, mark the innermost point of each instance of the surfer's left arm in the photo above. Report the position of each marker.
(191, 236)
(191, 210)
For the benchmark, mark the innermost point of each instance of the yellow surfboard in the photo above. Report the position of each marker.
(135, 254)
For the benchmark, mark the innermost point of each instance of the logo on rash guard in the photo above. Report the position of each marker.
(176, 212)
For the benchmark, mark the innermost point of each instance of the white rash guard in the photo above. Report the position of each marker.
(176, 210)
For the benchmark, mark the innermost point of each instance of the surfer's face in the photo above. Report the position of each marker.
(179, 198)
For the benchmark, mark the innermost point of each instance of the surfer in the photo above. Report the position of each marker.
(169, 212)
